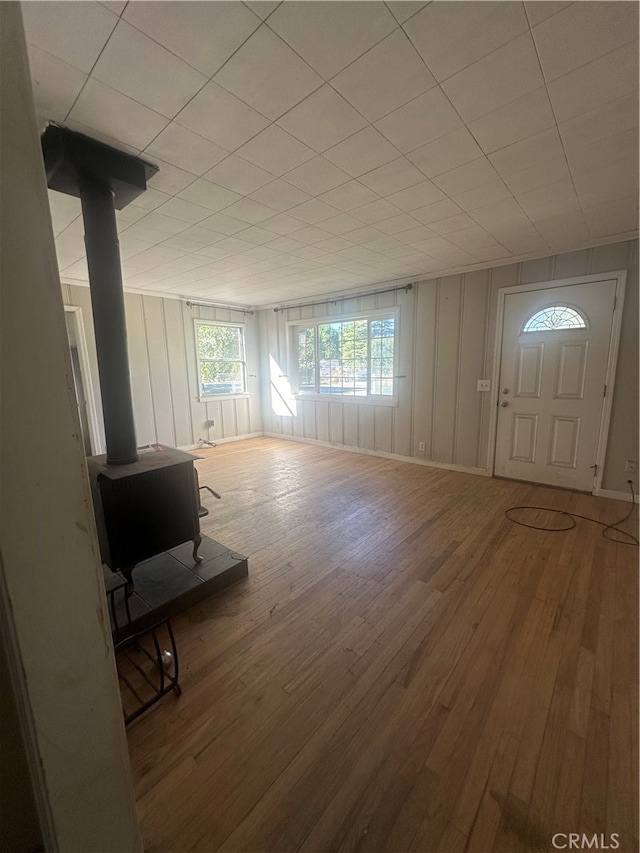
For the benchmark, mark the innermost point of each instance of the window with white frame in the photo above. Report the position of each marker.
(351, 357)
(220, 350)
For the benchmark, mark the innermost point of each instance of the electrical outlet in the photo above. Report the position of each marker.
(630, 466)
(484, 385)
(422, 447)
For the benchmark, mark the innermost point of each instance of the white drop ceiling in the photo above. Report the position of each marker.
(309, 148)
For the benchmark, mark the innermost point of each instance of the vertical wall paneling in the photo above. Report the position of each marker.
(609, 258)
(424, 365)
(402, 420)
(177, 372)
(198, 409)
(139, 371)
(538, 269)
(447, 337)
(336, 435)
(473, 311)
(159, 369)
(571, 264)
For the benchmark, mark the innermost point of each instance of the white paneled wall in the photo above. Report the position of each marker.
(447, 329)
(164, 378)
(447, 340)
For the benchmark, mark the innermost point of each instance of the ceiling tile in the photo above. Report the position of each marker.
(115, 6)
(417, 196)
(518, 120)
(607, 184)
(184, 210)
(204, 35)
(169, 179)
(221, 117)
(316, 176)
(102, 108)
(501, 214)
(365, 235)
(222, 223)
(137, 66)
(435, 212)
(312, 235)
(472, 238)
(484, 194)
(616, 117)
(375, 211)
(620, 151)
(362, 152)
(282, 224)
(503, 76)
(279, 195)
(392, 177)
(268, 75)
(341, 224)
(401, 222)
(451, 150)
(540, 10)
(402, 10)
(322, 120)
(450, 37)
(564, 230)
(249, 211)
(312, 211)
(208, 195)
(595, 84)
(64, 209)
(553, 199)
(582, 32)
(527, 153)
(420, 121)
(56, 85)
(385, 78)
(275, 150)
(466, 177)
(238, 175)
(257, 235)
(185, 149)
(75, 34)
(548, 172)
(330, 39)
(349, 195)
(150, 199)
(453, 223)
(262, 8)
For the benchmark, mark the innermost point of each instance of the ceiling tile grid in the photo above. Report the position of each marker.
(307, 147)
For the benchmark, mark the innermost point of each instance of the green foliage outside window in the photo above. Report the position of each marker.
(221, 359)
(347, 357)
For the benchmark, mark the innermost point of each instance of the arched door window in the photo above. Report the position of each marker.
(555, 317)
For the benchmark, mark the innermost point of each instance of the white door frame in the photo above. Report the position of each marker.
(85, 370)
(620, 277)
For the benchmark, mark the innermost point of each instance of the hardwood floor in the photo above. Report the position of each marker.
(403, 670)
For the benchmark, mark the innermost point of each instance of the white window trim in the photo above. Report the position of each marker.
(236, 395)
(370, 400)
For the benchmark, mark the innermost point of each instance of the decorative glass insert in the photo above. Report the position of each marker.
(555, 317)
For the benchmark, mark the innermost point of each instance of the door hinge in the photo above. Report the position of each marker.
(604, 393)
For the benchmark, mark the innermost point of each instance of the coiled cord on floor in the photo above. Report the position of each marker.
(629, 539)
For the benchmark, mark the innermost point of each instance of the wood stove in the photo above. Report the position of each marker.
(144, 504)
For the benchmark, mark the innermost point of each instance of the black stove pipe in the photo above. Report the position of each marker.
(107, 302)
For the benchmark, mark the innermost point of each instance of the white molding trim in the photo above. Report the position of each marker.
(614, 495)
(620, 276)
(85, 370)
(382, 454)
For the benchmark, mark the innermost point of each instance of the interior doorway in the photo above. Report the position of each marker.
(82, 380)
(553, 388)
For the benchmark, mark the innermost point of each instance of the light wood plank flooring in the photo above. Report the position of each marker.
(403, 670)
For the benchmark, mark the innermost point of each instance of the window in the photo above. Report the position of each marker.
(352, 357)
(221, 358)
(555, 317)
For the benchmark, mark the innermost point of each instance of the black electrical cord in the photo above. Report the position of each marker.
(571, 518)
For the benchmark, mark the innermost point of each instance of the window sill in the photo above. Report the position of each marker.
(338, 398)
(211, 398)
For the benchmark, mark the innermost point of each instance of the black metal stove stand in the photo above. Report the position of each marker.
(147, 669)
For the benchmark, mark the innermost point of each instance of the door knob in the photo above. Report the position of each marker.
(504, 404)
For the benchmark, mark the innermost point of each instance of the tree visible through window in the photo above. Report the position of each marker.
(555, 317)
(221, 358)
(353, 358)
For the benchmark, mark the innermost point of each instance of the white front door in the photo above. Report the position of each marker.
(555, 346)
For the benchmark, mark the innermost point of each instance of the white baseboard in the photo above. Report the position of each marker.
(614, 495)
(191, 447)
(427, 463)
